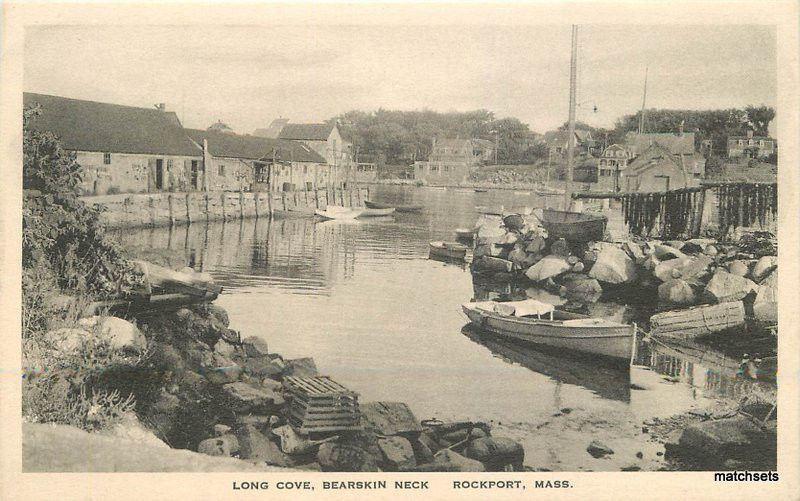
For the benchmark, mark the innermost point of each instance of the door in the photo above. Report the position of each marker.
(159, 174)
(195, 174)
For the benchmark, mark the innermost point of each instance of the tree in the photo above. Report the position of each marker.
(759, 118)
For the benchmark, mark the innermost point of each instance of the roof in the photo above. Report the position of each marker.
(111, 128)
(307, 132)
(560, 137)
(274, 129)
(654, 155)
(453, 143)
(677, 144)
(223, 144)
(736, 138)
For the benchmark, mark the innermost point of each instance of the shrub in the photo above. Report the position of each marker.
(67, 262)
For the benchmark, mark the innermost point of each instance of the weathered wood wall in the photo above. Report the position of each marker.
(164, 209)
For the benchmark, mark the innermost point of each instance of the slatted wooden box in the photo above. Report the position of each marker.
(320, 404)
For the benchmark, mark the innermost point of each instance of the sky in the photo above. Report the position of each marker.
(248, 75)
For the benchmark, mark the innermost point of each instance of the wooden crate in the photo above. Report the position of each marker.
(320, 404)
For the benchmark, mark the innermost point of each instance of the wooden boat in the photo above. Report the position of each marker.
(398, 208)
(481, 190)
(376, 212)
(465, 234)
(495, 264)
(448, 250)
(490, 211)
(338, 212)
(540, 323)
(606, 377)
(574, 226)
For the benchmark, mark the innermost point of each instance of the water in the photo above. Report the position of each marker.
(363, 299)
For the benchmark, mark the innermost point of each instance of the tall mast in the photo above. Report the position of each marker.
(571, 128)
(644, 100)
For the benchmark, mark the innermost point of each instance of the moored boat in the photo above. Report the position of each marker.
(540, 323)
(448, 250)
(338, 212)
(398, 208)
(376, 212)
(574, 226)
(465, 234)
(481, 190)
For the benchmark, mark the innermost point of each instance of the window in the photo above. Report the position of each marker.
(107, 158)
(434, 168)
(169, 164)
(221, 170)
(305, 169)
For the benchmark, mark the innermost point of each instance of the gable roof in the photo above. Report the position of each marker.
(560, 137)
(307, 132)
(653, 156)
(274, 129)
(453, 143)
(677, 144)
(222, 144)
(111, 128)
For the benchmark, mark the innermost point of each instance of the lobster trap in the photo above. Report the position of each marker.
(319, 405)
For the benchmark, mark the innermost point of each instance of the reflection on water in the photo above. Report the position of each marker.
(364, 300)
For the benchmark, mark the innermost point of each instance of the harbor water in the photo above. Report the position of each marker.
(364, 300)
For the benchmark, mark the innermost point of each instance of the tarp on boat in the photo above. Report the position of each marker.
(524, 308)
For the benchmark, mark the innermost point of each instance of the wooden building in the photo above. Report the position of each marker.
(249, 163)
(656, 169)
(750, 146)
(122, 149)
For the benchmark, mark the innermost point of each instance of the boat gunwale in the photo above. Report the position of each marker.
(551, 323)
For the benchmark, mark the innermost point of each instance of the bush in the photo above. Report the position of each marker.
(67, 262)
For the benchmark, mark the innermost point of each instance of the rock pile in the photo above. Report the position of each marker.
(679, 273)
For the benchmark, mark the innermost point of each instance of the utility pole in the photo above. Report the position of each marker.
(496, 145)
(571, 129)
(644, 100)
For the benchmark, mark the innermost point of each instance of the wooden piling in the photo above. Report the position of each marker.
(151, 203)
(188, 209)
(207, 211)
(171, 212)
(255, 202)
(241, 203)
(222, 199)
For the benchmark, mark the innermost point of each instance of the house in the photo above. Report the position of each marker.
(366, 172)
(751, 146)
(611, 165)
(484, 150)
(679, 143)
(656, 169)
(557, 142)
(273, 130)
(122, 149)
(325, 139)
(450, 162)
(250, 163)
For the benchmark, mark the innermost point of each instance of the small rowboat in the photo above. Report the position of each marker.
(338, 212)
(376, 212)
(448, 250)
(481, 190)
(574, 226)
(465, 234)
(489, 211)
(398, 208)
(540, 323)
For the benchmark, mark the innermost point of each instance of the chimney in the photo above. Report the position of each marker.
(161, 107)
(749, 133)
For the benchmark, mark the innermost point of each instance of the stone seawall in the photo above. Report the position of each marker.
(164, 209)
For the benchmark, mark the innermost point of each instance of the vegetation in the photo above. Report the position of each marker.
(67, 261)
(401, 137)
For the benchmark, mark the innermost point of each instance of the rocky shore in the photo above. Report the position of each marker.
(201, 386)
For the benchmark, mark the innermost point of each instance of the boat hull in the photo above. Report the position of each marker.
(608, 341)
(399, 208)
(328, 215)
(441, 250)
(376, 212)
(574, 226)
